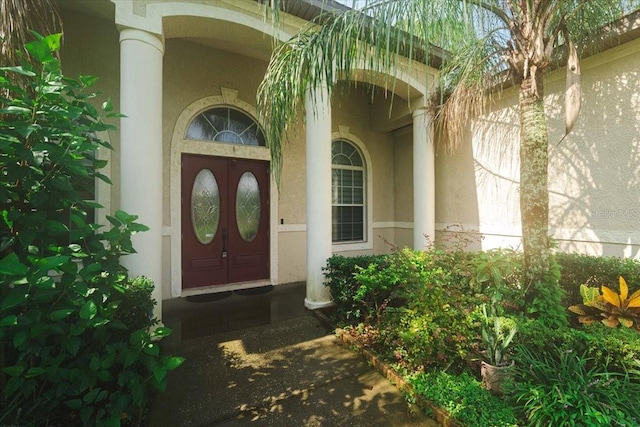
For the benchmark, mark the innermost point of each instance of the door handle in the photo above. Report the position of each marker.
(224, 243)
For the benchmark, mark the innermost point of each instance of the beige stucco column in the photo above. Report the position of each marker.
(141, 150)
(424, 223)
(318, 189)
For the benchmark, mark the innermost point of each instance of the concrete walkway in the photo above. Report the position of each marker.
(287, 372)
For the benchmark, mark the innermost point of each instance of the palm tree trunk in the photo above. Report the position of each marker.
(534, 195)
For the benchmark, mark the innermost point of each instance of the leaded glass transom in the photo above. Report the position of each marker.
(347, 193)
(248, 206)
(224, 124)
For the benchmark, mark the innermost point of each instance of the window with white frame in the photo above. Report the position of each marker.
(347, 193)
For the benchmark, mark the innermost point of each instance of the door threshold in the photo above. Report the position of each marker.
(225, 288)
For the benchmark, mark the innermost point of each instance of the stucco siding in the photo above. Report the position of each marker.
(594, 173)
(90, 47)
(193, 71)
(216, 53)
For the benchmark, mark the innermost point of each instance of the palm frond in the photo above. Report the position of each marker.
(481, 38)
(381, 38)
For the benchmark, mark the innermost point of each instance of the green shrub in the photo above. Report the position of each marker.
(544, 299)
(617, 348)
(541, 338)
(620, 348)
(577, 269)
(135, 309)
(566, 388)
(67, 355)
(353, 301)
(438, 323)
(464, 398)
(498, 273)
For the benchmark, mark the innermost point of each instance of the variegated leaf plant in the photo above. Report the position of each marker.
(611, 308)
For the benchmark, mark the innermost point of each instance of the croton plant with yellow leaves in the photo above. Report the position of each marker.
(610, 308)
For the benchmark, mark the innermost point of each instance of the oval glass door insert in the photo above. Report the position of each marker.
(205, 206)
(248, 206)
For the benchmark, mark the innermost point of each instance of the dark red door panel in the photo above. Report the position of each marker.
(248, 220)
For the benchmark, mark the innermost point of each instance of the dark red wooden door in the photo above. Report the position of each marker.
(225, 220)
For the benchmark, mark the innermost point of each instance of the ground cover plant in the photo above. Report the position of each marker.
(76, 346)
(430, 330)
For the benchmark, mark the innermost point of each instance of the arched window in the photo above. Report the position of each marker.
(347, 193)
(224, 124)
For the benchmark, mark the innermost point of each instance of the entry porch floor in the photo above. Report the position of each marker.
(260, 358)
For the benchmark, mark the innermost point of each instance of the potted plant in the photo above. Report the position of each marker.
(497, 334)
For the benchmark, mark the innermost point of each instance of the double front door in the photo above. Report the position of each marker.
(225, 220)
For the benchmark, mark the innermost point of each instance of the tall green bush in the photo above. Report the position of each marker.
(67, 357)
(354, 301)
(438, 321)
(593, 271)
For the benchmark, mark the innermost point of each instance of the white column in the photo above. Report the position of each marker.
(141, 151)
(424, 212)
(318, 189)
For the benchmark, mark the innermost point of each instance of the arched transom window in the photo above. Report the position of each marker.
(347, 193)
(224, 124)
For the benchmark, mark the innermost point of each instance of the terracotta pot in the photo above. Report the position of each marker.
(495, 377)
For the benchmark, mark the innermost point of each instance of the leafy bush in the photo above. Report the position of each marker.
(67, 355)
(375, 285)
(438, 323)
(620, 348)
(617, 348)
(541, 338)
(354, 301)
(544, 299)
(566, 388)
(135, 309)
(498, 272)
(594, 271)
(464, 398)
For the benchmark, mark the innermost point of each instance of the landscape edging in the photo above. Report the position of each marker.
(442, 416)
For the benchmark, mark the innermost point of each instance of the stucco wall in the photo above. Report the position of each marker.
(193, 71)
(91, 47)
(351, 111)
(594, 174)
(403, 187)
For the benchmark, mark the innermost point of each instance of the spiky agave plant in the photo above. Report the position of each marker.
(497, 334)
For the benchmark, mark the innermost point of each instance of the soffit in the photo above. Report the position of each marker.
(99, 8)
(220, 34)
(623, 31)
(310, 9)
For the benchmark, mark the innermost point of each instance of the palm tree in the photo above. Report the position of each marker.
(489, 44)
(18, 18)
